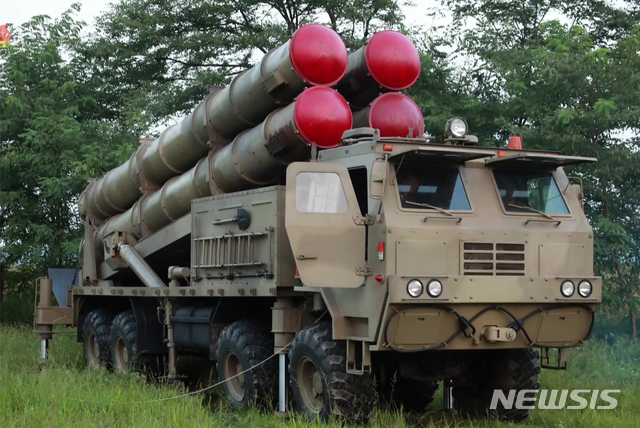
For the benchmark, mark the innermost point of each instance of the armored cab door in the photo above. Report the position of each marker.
(328, 245)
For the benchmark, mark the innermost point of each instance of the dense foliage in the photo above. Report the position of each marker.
(563, 74)
(53, 138)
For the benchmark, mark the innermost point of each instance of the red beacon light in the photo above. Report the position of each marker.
(515, 142)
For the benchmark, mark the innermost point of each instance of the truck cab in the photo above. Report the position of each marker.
(436, 256)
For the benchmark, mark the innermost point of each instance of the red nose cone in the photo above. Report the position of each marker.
(394, 114)
(321, 116)
(392, 60)
(318, 55)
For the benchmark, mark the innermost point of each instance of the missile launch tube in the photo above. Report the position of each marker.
(394, 114)
(315, 55)
(387, 62)
(256, 157)
(259, 156)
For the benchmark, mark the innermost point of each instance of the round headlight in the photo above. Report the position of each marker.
(457, 127)
(567, 288)
(585, 288)
(414, 288)
(434, 288)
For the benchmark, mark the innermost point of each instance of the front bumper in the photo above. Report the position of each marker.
(470, 307)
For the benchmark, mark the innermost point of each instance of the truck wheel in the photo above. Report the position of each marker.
(242, 345)
(123, 342)
(414, 395)
(319, 381)
(512, 369)
(96, 334)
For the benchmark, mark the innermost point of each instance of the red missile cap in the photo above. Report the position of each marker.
(394, 113)
(392, 60)
(318, 55)
(321, 116)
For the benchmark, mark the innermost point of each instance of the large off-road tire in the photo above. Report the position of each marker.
(414, 395)
(124, 351)
(96, 338)
(320, 384)
(242, 345)
(505, 370)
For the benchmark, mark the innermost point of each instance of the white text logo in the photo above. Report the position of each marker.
(554, 399)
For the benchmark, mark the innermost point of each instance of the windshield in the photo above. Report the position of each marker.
(431, 186)
(527, 191)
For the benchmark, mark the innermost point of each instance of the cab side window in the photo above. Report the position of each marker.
(320, 192)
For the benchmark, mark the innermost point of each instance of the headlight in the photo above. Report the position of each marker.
(567, 288)
(585, 288)
(457, 127)
(434, 288)
(414, 288)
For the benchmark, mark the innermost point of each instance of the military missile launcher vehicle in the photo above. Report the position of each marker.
(300, 229)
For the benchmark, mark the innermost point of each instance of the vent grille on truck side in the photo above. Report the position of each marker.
(501, 259)
(227, 251)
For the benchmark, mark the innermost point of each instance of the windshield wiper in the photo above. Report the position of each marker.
(433, 207)
(526, 208)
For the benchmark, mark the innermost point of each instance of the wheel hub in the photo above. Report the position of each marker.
(232, 371)
(122, 355)
(93, 350)
(310, 382)
(317, 384)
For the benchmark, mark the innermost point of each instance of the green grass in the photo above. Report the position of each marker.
(63, 393)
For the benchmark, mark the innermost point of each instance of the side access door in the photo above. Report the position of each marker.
(321, 213)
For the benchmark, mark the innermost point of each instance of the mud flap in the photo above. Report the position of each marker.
(150, 337)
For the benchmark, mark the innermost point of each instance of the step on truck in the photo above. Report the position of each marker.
(299, 229)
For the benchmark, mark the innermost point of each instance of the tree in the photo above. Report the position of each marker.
(157, 56)
(439, 91)
(52, 141)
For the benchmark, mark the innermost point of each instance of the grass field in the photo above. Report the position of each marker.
(66, 394)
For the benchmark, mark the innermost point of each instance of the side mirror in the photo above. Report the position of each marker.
(577, 189)
(378, 178)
